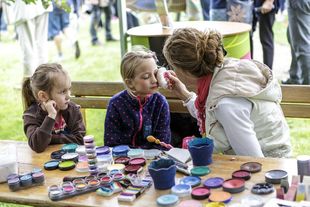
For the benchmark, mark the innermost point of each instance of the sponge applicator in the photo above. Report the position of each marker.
(161, 76)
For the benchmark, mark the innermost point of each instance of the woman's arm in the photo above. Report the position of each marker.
(234, 115)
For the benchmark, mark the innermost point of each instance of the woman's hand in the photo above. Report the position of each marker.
(50, 107)
(175, 85)
(267, 6)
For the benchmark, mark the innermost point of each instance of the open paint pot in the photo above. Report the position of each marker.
(133, 153)
(119, 167)
(200, 193)
(193, 181)
(122, 160)
(214, 182)
(81, 167)
(51, 165)
(26, 180)
(93, 183)
(233, 185)
(262, 188)
(252, 167)
(200, 171)
(167, 200)
(181, 190)
(66, 165)
(241, 174)
(70, 157)
(79, 184)
(68, 187)
(120, 150)
(189, 203)
(133, 169)
(118, 176)
(275, 176)
(220, 196)
(69, 148)
(137, 161)
(88, 139)
(57, 154)
(55, 191)
(106, 180)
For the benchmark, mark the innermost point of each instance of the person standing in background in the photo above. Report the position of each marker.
(299, 39)
(31, 28)
(99, 6)
(205, 6)
(265, 11)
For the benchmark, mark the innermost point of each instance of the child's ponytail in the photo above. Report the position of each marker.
(28, 97)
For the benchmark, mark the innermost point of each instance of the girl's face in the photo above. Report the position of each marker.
(144, 81)
(61, 92)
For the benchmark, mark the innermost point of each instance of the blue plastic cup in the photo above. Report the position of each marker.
(163, 173)
(201, 150)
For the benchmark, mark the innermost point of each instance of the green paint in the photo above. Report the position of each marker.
(66, 164)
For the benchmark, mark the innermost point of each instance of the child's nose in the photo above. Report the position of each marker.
(154, 80)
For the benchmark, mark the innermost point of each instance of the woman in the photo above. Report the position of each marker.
(237, 102)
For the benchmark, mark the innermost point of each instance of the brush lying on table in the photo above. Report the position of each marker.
(157, 141)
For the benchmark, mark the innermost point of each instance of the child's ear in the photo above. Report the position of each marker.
(129, 84)
(43, 96)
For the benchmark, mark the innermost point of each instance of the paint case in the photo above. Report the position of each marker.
(8, 161)
(24, 181)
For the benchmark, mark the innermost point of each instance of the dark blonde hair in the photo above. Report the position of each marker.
(194, 51)
(43, 79)
(131, 60)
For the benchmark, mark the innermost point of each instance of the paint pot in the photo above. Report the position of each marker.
(200, 171)
(193, 181)
(189, 203)
(122, 160)
(118, 176)
(14, 184)
(103, 150)
(135, 153)
(167, 200)
(56, 155)
(38, 177)
(220, 196)
(137, 161)
(55, 191)
(68, 187)
(275, 176)
(120, 150)
(252, 167)
(106, 180)
(51, 165)
(262, 188)
(26, 180)
(12, 176)
(214, 182)
(241, 174)
(90, 177)
(200, 193)
(233, 185)
(252, 201)
(81, 150)
(133, 169)
(119, 167)
(70, 148)
(88, 139)
(181, 190)
(79, 184)
(81, 167)
(66, 165)
(93, 183)
(70, 157)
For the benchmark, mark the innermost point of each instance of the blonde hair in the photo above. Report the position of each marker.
(194, 51)
(43, 79)
(131, 60)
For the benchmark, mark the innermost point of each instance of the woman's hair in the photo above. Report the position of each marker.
(43, 79)
(194, 51)
(131, 60)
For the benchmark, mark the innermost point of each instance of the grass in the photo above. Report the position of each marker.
(95, 64)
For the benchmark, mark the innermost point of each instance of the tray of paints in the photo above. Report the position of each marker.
(19, 182)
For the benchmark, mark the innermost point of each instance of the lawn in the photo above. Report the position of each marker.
(100, 63)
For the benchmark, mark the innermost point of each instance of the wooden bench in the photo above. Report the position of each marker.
(96, 95)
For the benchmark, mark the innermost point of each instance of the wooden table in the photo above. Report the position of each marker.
(236, 37)
(222, 166)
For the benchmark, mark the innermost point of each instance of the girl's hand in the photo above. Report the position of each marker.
(50, 107)
(175, 85)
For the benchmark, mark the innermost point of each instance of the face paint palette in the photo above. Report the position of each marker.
(19, 182)
(241, 174)
(167, 200)
(262, 188)
(133, 153)
(220, 196)
(81, 185)
(200, 193)
(137, 161)
(120, 150)
(193, 181)
(56, 155)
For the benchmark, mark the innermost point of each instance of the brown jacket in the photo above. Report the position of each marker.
(38, 127)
